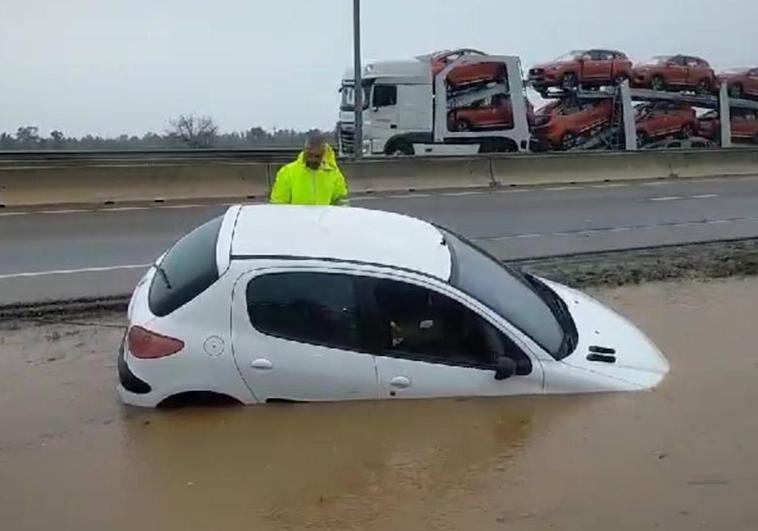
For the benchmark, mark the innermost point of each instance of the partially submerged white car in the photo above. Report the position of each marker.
(301, 304)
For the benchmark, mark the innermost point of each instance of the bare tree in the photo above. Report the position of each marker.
(195, 131)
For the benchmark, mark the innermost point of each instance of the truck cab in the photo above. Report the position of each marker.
(407, 105)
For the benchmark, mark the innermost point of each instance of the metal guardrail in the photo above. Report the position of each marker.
(285, 154)
(150, 155)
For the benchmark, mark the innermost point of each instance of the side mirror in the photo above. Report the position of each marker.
(505, 369)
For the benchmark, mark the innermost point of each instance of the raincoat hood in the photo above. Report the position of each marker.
(330, 158)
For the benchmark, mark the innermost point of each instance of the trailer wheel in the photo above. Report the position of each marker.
(462, 125)
(568, 140)
(687, 131)
(569, 80)
(735, 91)
(657, 83)
(619, 79)
(642, 138)
(755, 139)
(400, 148)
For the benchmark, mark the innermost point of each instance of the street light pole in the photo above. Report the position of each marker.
(358, 78)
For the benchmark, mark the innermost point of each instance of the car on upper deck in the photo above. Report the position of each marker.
(589, 68)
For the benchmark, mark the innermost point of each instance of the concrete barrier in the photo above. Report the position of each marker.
(53, 183)
(576, 168)
(44, 185)
(410, 174)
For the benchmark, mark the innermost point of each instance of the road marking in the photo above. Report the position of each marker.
(589, 232)
(610, 186)
(125, 209)
(70, 211)
(181, 206)
(72, 271)
(562, 188)
(460, 194)
(9, 214)
(704, 196)
(406, 196)
(516, 191)
(667, 198)
(654, 184)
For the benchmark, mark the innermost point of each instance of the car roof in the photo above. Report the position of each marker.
(342, 234)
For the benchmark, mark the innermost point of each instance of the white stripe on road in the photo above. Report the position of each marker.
(69, 211)
(667, 198)
(124, 209)
(704, 196)
(34, 274)
(8, 214)
(461, 194)
(611, 186)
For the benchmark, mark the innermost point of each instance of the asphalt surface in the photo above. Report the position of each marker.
(70, 253)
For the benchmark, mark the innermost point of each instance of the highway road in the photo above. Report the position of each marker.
(68, 253)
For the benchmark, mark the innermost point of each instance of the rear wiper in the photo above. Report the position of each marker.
(163, 275)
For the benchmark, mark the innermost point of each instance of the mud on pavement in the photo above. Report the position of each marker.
(682, 457)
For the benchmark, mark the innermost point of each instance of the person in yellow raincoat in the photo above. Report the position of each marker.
(313, 179)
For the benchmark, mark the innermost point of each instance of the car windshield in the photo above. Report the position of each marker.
(348, 96)
(524, 301)
(659, 60)
(571, 56)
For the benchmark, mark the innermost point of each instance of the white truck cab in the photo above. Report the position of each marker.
(438, 104)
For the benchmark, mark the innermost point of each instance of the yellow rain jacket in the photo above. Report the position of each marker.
(297, 184)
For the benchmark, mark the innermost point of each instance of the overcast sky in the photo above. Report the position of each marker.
(112, 66)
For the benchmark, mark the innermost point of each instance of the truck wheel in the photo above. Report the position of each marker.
(735, 91)
(657, 83)
(569, 80)
(400, 149)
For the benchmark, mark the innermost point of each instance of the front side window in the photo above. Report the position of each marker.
(188, 269)
(385, 95)
(314, 308)
(416, 323)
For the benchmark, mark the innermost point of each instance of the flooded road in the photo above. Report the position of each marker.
(682, 457)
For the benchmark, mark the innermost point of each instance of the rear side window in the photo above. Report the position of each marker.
(187, 270)
(314, 308)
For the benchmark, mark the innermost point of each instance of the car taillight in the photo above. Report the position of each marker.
(147, 345)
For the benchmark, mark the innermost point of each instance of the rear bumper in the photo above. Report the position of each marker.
(131, 389)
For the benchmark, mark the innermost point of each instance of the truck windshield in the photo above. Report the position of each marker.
(348, 96)
(525, 301)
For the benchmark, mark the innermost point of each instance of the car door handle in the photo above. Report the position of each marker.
(400, 382)
(262, 364)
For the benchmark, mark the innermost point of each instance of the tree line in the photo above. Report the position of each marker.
(185, 131)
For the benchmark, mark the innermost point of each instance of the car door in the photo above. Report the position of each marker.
(384, 111)
(676, 71)
(430, 344)
(751, 82)
(594, 66)
(298, 336)
(501, 111)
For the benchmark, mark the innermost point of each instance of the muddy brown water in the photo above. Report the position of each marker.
(682, 457)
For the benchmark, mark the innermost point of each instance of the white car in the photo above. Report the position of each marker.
(300, 304)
